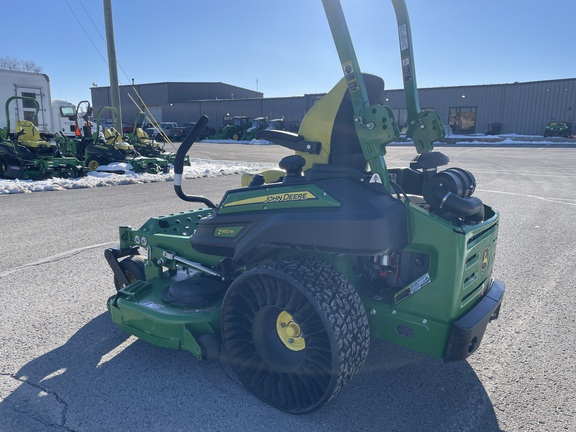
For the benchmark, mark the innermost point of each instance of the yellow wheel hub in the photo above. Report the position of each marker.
(289, 332)
(93, 165)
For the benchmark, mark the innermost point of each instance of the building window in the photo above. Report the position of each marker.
(462, 120)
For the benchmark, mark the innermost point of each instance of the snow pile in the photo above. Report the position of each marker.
(115, 167)
(496, 140)
(230, 141)
(199, 168)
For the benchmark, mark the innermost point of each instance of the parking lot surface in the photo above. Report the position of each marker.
(64, 366)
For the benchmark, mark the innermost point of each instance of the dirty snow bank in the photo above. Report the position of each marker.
(199, 168)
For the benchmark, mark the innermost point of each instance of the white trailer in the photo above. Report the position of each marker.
(27, 84)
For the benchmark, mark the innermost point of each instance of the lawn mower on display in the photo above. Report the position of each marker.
(106, 146)
(148, 146)
(289, 276)
(26, 154)
(258, 124)
(234, 127)
(83, 139)
(558, 129)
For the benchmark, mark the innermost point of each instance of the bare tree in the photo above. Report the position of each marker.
(12, 63)
(9, 63)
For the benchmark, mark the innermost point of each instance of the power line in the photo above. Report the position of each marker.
(92, 21)
(104, 40)
(87, 35)
(101, 37)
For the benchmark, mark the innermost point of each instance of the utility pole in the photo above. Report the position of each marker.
(112, 66)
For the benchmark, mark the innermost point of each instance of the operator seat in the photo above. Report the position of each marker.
(31, 136)
(113, 138)
(142, 136)
(330, 122)
(145, 140)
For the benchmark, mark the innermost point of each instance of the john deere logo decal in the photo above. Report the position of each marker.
(485, 259)
(296, 196)
(275, 198)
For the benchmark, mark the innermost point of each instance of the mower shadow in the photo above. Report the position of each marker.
(402, 390)
(101, 379)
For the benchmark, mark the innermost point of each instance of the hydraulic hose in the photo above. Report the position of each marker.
(179, 163)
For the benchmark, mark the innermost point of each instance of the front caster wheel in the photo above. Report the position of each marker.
(133, 269)
(295, 332)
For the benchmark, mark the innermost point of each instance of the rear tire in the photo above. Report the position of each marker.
(93, 162)
(133, 269)
(295, 332)
(3, 167)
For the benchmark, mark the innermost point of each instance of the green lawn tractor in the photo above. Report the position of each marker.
(147, 146)
(234, 129)
(558, 129)
(106, 146)
(258, 124)
(276, 124)
(26, 154)
(289, 276)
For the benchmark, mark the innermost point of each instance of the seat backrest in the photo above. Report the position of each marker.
(331, 122)
(112, 136)
(142, 136)
(31, 134)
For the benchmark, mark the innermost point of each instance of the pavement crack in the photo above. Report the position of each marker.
(18, 408)
(55, 258)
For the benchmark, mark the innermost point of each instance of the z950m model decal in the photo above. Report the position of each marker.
(229, 231)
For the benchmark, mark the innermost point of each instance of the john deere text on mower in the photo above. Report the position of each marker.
(288, 277)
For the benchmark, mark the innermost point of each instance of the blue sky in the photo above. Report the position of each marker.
(284, 48)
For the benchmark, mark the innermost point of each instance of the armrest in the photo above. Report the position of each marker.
(289, 140)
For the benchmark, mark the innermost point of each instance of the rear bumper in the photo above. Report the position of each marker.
(467, 332)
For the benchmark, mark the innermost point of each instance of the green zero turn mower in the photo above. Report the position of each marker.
(27, 154)
(288, 277)
(148, 146)
(106, 146)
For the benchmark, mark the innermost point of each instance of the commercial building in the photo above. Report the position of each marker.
(522, 108)
(170, 101)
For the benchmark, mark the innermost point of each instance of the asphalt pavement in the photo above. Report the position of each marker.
(64, 366)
